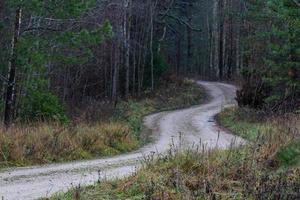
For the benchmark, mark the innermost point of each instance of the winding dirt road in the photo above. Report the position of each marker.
(187, 127)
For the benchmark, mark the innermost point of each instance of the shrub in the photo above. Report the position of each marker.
(42, 106)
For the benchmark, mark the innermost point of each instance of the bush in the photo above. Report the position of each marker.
(43, 106)
(252, 92)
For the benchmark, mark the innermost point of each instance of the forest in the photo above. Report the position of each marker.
(58, 55)
(78, 77)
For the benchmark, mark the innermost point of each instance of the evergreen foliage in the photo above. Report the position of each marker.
(42, 45)
(274, 78)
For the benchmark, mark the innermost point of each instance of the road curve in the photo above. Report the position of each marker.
(187, 128)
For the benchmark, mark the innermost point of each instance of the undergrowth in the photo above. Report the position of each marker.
(264, 169)
(43, 143)
(252, 125)
(245, 123)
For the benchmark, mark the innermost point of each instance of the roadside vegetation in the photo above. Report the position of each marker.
(77, 77)
(42, 143)
(246, 123)
(266, 168)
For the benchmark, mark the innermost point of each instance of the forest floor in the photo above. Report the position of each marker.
(266, 167)
(192, 128)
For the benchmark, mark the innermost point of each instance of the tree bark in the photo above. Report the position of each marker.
(221, 40)
(210, 46)
(127, 4)
(215, 38)
(2, 43)
(151, 45)
(134, 71)
(10, 94)
(189, 38)
(178, 63)
(115, 76)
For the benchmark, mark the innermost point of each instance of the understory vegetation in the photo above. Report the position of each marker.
(271, 81)
(265, 168)
(77, 77)
(44, 142)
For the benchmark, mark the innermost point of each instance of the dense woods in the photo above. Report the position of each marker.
(107, 83)
(60, 55)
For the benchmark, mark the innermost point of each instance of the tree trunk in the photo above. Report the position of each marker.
(141, 60)
(115, 76)
(231, 48)
(10, 94)
(2, 43)
(151, 46)
(221, 40)
(189, 38)
(134, 72)
(127, 5)
(210, 46)
(178, 55)
(215, 38)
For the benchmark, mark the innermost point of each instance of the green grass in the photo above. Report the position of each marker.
(248, 126)
(289, 155)
(44, 143)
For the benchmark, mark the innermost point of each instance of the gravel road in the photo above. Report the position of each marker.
(187, 128)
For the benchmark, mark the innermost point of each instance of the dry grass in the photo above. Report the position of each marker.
(254, 171)
(44, 143)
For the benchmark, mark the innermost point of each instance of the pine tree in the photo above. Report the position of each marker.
(272, 75)
(51, 33)
(284, 60)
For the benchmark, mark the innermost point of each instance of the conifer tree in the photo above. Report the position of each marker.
(42, 31)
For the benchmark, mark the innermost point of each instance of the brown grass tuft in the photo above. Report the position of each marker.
(44, 143)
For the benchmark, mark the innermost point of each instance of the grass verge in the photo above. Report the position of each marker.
(245, 123)
(48, 143)
(258, 170)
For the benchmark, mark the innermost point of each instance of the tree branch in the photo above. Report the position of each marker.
(297, 3)
(181, 21)
(4, 79)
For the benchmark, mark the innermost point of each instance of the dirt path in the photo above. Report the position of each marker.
(187, 128)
